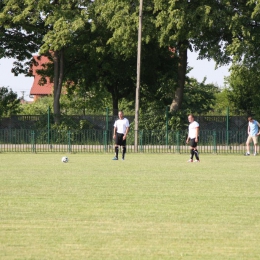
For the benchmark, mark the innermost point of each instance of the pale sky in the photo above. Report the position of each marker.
(20, 84)
(201, 68)
(205, 68)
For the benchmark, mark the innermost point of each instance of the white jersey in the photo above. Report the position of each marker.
(192, 129)
(121, 125)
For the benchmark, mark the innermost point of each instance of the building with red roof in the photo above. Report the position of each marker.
(38, 90)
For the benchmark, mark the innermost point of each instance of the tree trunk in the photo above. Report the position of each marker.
(58, 61)
(182, 69)
(115, 102)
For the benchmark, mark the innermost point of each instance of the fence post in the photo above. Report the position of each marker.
(15, 136)
(33, 141)
(141, 140)
(105, 140)
(227, 126)
(214, 141)
(48, 125)
(167, 133)
(69, 142)
(107, 119)
(178, 142)
(106, 132)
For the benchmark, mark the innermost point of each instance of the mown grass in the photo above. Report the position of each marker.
(150, 206)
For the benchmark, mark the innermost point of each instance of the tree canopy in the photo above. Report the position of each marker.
(93, 46)
(9, 103)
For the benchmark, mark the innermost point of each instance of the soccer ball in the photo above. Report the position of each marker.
(65, 159)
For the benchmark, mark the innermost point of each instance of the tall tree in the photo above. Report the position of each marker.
(119, 22)
(183, 25)
(243, 47)
(60, 23)
(64, 20)
(194, 25)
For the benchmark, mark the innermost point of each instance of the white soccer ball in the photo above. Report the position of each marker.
(64, 159)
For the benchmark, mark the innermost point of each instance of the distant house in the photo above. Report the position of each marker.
(38, 90)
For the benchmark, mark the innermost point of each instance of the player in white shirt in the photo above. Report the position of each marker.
(193, 138)
(121, 129)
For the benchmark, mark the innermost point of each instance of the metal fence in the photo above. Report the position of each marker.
(100, 141)
(105, 121)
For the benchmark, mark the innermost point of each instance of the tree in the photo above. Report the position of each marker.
(21, 35)
(60, 23)
(182, 25)
(65, 21)
(93, 44)
(118, 49)
(243, 21)
(222, 103)
(198, 98)
(198, 25)
(245, 51)
(244, 88)
(38, 107)
(9, 103)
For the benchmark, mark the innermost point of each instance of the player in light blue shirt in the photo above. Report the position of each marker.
(253, 132)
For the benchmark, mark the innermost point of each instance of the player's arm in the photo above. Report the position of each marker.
(126, 132)
(248, 129)
(114, 135)
(259, 129)
(197, 134)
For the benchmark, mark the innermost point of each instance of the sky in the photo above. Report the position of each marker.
(20, 84)
(205, 68)
(201, 68)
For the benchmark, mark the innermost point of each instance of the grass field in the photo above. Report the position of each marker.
(150, 206)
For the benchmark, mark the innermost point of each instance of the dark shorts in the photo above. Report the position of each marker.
(193, 143)
(119, 140)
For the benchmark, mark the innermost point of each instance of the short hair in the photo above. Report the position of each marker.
(250, 118)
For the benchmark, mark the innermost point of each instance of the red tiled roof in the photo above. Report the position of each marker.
(46, 89)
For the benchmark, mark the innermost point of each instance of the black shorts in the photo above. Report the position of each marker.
(193, 143)
(119, 140)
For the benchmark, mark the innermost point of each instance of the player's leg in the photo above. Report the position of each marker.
(255, 140)
(255, 147)
(191, 149)
(116, 147)
(124, 149)
(191, 154)
(249, 138)
(123, 153)
(116, 152)
(196, 152)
